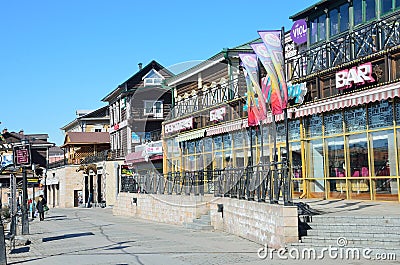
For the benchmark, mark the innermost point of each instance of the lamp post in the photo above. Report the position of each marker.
(25, 157)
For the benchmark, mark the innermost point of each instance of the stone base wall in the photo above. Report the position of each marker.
(171, 209)
(271, 224)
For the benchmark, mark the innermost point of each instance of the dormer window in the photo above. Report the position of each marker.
(153, 78)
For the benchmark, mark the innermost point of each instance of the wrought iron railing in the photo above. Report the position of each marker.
(251, 183)
(362, 41)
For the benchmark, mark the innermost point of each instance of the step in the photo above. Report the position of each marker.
(377, 220)
(202, 221)
(195, 226)
(351, 234)
(352, 241)
(353, 227)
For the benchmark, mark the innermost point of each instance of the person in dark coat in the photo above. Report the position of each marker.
(40, 207)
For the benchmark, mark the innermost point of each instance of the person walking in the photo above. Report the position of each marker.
(41, 207)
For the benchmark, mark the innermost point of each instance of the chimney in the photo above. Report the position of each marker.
(140, 66)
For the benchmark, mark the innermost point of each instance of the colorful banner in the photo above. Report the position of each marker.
(297, 92)
(257, 109)
(273, 93)
(272, 41)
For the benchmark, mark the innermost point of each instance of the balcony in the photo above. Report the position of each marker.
(365, 40)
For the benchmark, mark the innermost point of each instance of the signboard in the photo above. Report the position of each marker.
(298, 33)
(217, 114)
(33, 180)
(6, 159)
(355, 76)
(157, 150)
(179, 125)
(22, 155)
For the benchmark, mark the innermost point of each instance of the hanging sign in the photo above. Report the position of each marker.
(298, 33)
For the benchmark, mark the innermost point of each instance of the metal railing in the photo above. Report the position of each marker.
(250, 183)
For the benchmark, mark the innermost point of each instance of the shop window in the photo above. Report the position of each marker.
(199, 146)
(238, 139)
(294, 129)
(380, 115)
(355, 119)
(333, 123)
(384, 155)
(336, 161)
(313, 125)
(315, 159)
(280, 132)
(358, 155)
(397, 109)
(207, 144)
(227, 141)
(191, 147)
(218, 142)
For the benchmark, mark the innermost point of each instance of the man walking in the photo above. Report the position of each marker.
(41, 205)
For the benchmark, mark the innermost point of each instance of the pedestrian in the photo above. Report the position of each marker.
(41, 205)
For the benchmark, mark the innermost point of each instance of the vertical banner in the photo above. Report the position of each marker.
(273, 43)
(274, 97)
(257, 110)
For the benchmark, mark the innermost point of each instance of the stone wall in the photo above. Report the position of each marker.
(171, 209)
(271, 224)
(275, 225)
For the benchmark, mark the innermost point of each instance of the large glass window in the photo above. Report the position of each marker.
(358, 155)
(315, 158)
(363, 10)
(336, 159)
(294, 129)
(397, 4)
(384, 155)
(318, 29)
(313, 125)
(333, 123)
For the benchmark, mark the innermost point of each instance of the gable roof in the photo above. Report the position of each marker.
(98, 114)
(86, 138)
(137, 78)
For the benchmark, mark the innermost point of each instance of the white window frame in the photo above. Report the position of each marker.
(153, 111)
(153, 81)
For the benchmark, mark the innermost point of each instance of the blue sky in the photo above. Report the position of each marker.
(57, 57)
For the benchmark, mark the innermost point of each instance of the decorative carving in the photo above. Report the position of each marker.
(378, 72)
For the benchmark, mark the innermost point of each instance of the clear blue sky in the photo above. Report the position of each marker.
(57, 57)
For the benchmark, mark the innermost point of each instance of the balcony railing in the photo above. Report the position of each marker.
(221, 93)
(363, 41)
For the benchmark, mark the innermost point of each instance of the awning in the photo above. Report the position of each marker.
(134, 157)
(350, 100)
(190, 135)
(227, 127)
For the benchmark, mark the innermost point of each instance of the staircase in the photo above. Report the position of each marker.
(381, 234)
(202, 223)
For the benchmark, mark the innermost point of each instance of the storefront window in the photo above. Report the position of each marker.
(294, 130)
(313, 125)
(397, 106)
(358, 155)
(218, 142)
(315, 159)
(386, 189)
(199, 146)
(207, 144)
(380, 115)
(384, 155)
(238, 139)
(191, 147)
(227, 141)
(336, 159)
(355, 119)
(280, 132)
(333, 123)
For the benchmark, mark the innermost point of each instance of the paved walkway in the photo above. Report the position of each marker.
(95, 236)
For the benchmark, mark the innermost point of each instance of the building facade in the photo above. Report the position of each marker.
(343, 139)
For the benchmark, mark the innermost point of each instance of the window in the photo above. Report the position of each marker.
(318, 29)
(386, 6)
(344, 17)
(153, 108)
(152, 78)
(339, 19)
(363, 10)
(334, 22)
(97, 130)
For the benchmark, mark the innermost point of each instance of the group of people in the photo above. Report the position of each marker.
(41, 206)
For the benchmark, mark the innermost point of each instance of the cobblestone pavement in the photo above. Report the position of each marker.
(95, 236)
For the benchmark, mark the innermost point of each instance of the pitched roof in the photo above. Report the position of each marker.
(86, 138)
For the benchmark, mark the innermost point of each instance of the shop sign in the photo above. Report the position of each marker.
(154, 150)
(22, 155)
(357, 75)
(118, 126)
(217, 114)
(299, 31)
(179, 125)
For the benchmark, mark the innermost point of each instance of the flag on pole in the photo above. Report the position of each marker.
(274, 97)
(256, 106)
(273, 43)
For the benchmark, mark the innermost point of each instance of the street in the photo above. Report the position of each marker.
(95, 236)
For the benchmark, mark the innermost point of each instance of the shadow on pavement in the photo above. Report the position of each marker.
(47, 239)
(20, 250)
